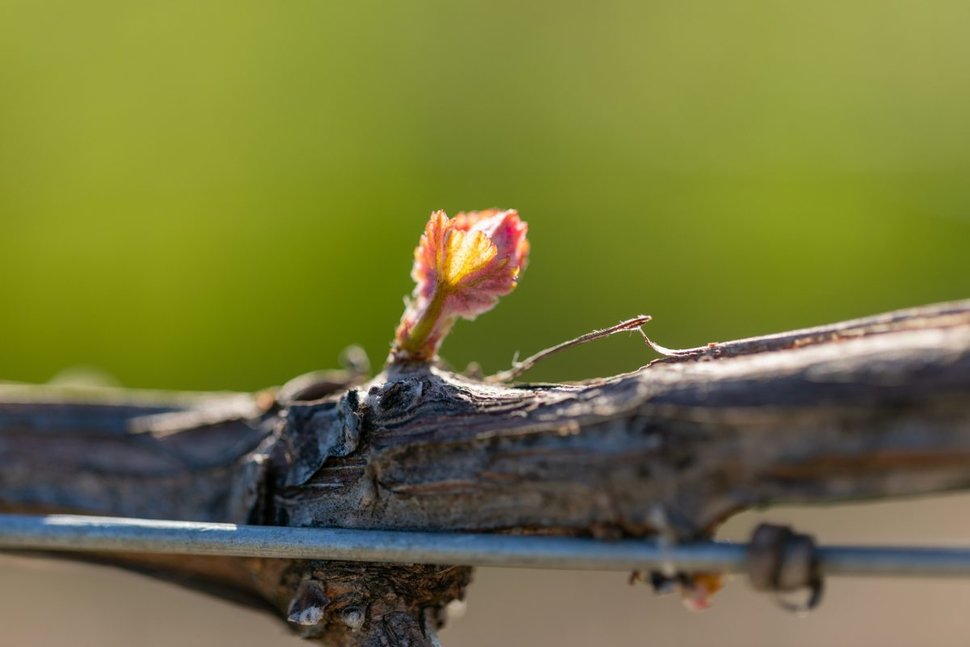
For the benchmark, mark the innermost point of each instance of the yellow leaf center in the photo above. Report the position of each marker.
(465, 253)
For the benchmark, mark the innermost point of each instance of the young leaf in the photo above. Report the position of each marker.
(461, 267)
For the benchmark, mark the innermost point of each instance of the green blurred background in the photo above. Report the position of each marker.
(209, 194)
(220, 195)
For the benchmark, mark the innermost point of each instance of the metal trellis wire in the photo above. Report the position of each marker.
(85, 533)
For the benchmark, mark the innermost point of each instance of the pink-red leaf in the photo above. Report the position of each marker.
(461, 268)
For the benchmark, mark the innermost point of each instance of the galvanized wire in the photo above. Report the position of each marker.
(107, 534)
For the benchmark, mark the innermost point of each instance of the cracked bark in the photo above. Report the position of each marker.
(878, 407)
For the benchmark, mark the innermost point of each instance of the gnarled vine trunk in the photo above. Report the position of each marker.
(871, 408)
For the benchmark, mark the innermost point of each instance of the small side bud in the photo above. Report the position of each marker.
(697, 592)
(308, 605)
(353, 617)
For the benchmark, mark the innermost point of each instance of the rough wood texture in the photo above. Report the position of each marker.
(871, 408)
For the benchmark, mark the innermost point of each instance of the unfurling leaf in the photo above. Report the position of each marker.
(461, 267)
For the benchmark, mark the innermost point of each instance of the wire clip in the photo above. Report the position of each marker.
(781, 560)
